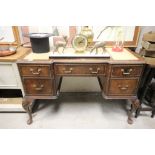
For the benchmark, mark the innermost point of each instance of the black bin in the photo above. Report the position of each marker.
(40, 42)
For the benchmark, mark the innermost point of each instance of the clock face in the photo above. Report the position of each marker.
(79, 43)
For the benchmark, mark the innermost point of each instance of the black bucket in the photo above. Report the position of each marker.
(40, 42)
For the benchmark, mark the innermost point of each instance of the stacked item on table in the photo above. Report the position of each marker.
(148, 44)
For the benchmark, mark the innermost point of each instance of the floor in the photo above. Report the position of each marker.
(78, 110)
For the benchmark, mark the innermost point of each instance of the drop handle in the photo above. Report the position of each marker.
(38, 87)
(35, 73)
(126, 71)
(68, 71)
(94, 72)
(123, 88)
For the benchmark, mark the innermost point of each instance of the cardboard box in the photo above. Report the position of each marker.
(150, 36)
(146, 53)
(148, 46)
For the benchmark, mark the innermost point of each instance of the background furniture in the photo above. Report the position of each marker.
(9, 76)
(146, 89)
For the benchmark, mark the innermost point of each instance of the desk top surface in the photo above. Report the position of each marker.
(126, 56)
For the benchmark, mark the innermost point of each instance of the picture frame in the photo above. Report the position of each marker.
(132, 31)
(12, 37)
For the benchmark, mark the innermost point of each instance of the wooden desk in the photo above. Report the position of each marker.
(41, 77)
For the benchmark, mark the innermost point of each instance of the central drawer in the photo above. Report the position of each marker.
(38, 86)
(79, 69)
(35, 70)
(123, 86)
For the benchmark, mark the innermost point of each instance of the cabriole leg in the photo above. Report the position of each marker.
(135, 105)
(27, 105)
(153, 113)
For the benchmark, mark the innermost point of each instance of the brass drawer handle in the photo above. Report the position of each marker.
(35, 73)
(68, 71)
(38, 87)
(126, 71)
(94, 72)
(123, 88)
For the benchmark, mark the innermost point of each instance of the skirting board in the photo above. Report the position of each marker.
(11, 105)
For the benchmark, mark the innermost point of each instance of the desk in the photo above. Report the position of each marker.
(42, 77)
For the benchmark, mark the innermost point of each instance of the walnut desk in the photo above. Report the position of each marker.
(118, 77)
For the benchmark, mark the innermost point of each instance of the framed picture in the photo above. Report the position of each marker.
(9, 35)
(129, 34)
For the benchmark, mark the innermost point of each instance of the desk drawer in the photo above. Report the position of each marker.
(79, 69)
(38, 86)
(126, 71)
(35, 70)
(123, 86)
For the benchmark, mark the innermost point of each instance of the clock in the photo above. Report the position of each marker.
(79, 43)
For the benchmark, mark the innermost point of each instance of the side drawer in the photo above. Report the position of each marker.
(35, 70)
(126, 71)
(79, 69)
(38, 86)
(123, 86)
